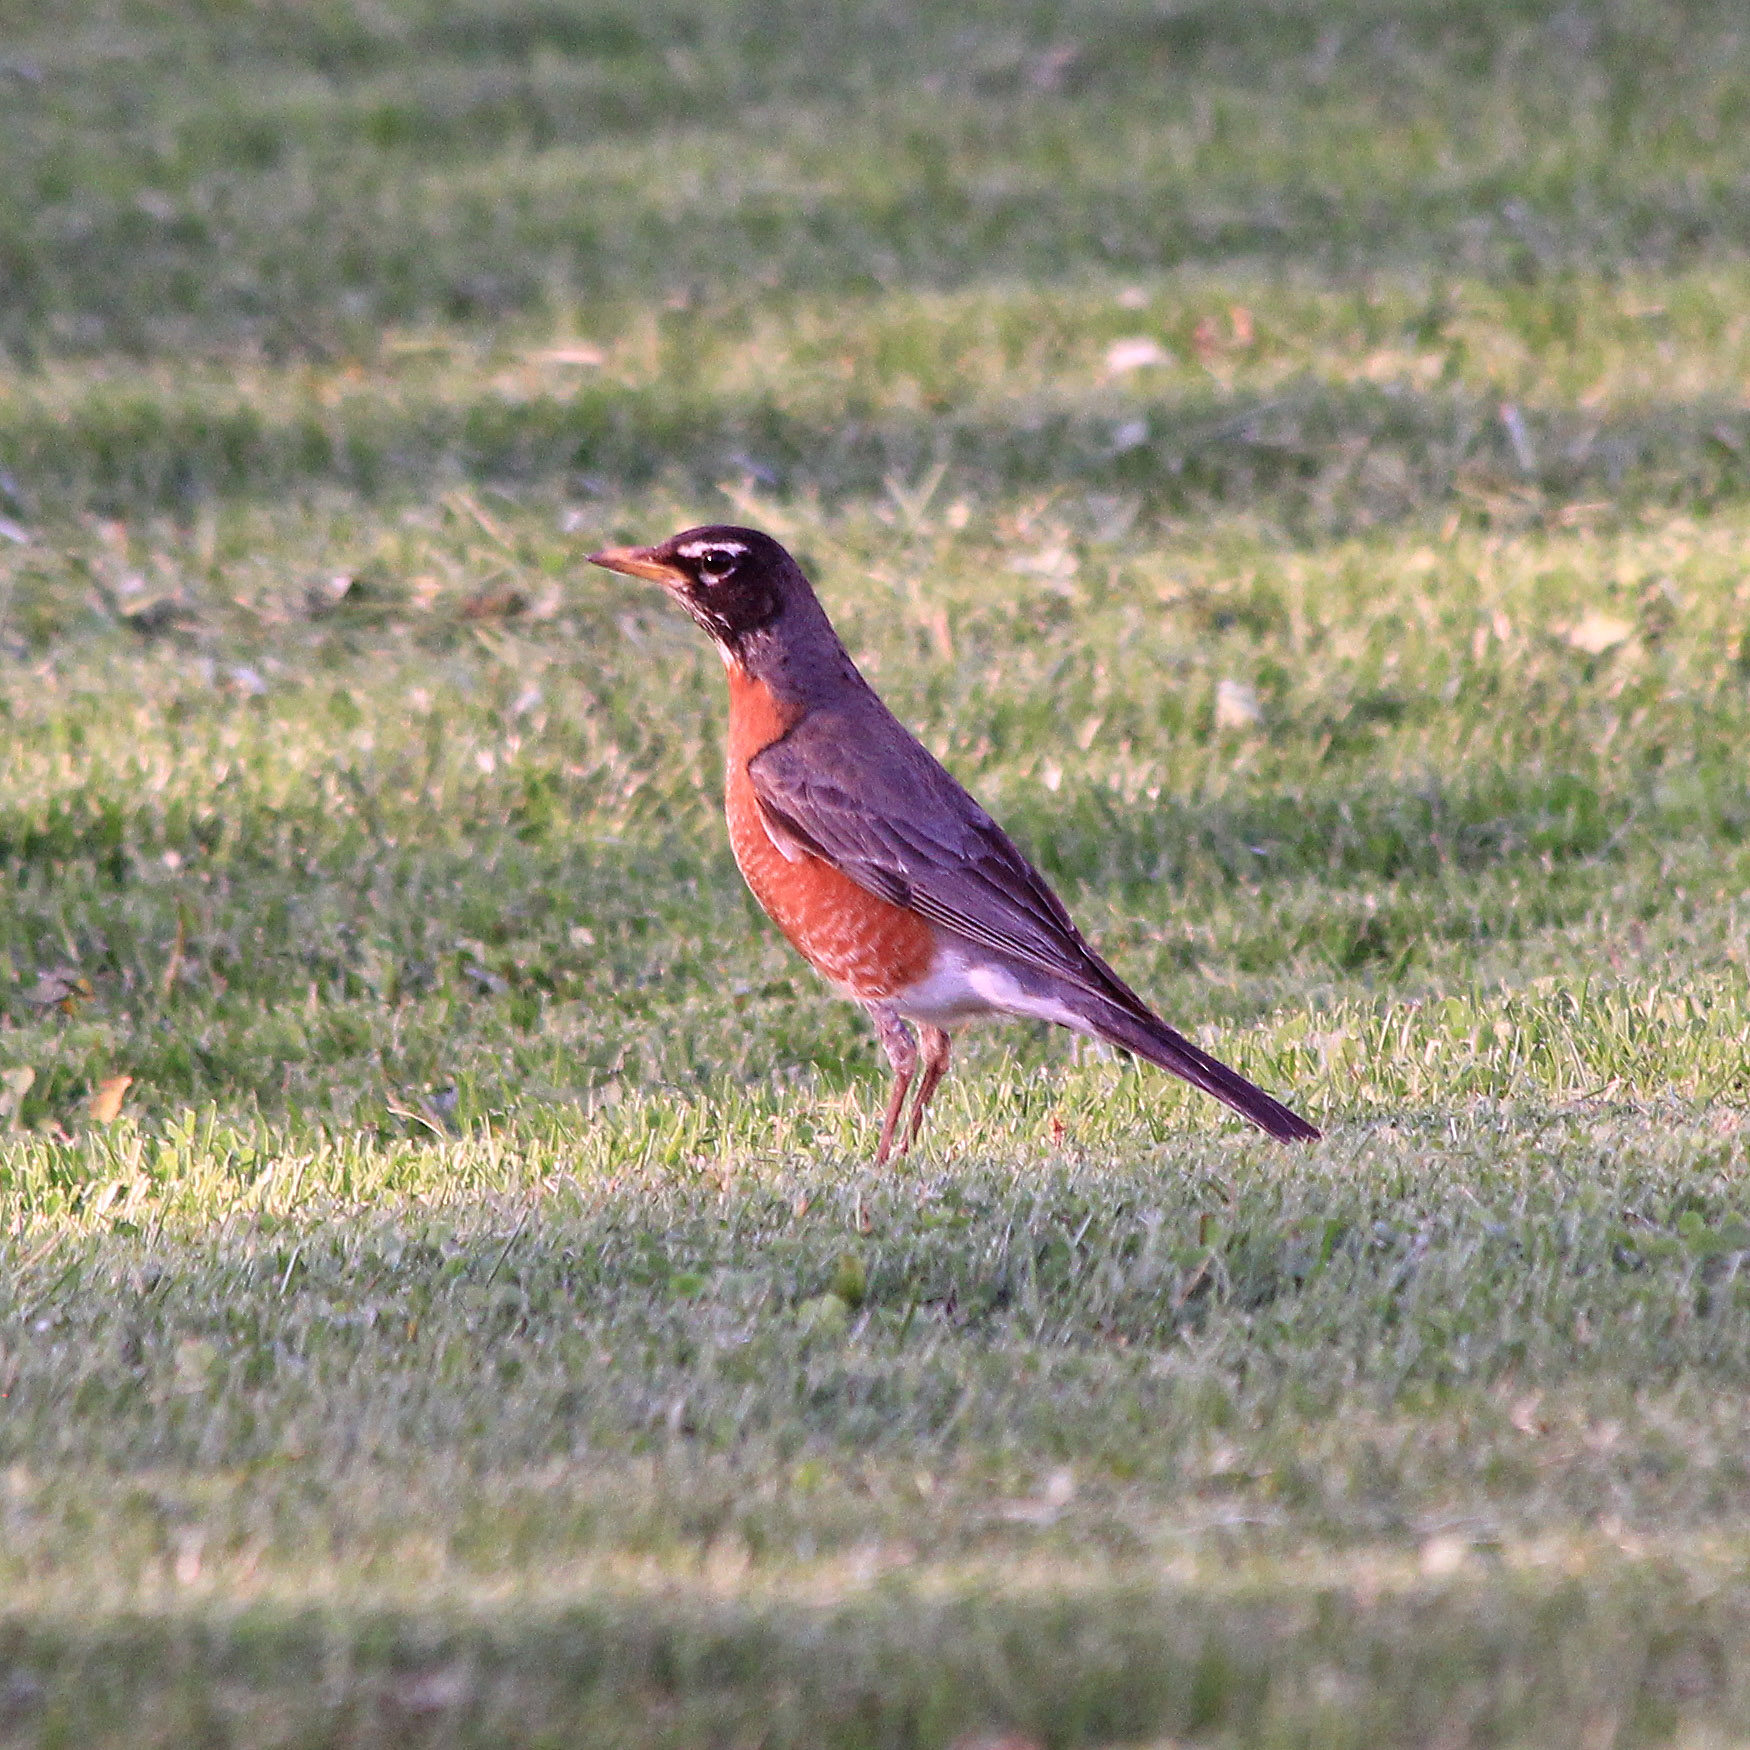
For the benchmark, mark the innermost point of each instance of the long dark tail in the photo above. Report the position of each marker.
(1155, 1040)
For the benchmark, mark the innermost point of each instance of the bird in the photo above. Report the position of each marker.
(874, 863)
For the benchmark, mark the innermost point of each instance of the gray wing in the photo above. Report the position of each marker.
(858, 790)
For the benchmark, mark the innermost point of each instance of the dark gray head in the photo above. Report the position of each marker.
(750, 595)
(734, 582)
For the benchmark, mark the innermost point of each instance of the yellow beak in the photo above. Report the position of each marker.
(640, 562)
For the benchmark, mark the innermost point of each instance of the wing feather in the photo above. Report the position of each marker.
(877, 805)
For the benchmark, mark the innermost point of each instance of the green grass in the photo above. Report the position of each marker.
(482, 1324)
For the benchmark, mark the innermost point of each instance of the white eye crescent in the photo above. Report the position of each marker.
(715, 559)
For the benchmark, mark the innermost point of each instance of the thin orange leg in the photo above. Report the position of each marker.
(937, 1046)
(902, 1052)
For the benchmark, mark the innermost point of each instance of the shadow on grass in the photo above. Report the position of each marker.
(488, 902)
(1320, 458)
(1538, 1657)
(1343, 834)
(126, 283)
(301, 184)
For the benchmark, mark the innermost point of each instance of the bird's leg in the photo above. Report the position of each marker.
(902, 1052)
(937, 1046)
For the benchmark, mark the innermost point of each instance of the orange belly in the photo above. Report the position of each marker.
(867, 946)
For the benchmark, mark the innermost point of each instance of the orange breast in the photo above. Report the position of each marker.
(867, 946)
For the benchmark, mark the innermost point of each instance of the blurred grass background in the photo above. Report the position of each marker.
(1289, 459)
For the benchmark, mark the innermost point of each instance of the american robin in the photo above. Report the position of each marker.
(880, 870)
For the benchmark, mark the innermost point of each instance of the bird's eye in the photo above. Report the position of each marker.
(716, 564)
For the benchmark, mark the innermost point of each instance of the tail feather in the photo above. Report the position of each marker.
(1154, 1040)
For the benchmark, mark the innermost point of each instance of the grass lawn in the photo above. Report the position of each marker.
(1292, 461)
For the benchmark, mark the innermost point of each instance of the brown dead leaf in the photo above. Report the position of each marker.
(1523, 1415)
(495, 604)
(106, 1103)
(579, 353)
(1443, 1555)
(157, 614)
(1595, 633)
(65, 988)
(331, 593)
(1135, 352)
(1236, 706)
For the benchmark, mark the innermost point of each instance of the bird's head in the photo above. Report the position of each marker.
(734, 582)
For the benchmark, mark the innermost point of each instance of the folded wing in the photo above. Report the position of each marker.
(898, 824)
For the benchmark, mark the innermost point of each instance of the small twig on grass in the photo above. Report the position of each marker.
(173, 966)
(411, 1115)
(28, 1316)
(463, 501)
(36, 1257)
(515, 1235)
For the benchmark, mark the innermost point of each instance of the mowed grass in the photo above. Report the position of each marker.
(1291, 461)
